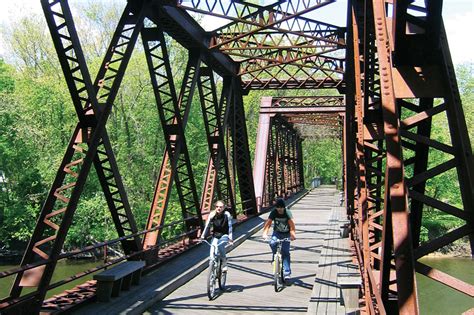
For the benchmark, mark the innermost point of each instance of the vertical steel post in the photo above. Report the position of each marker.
(395, 188)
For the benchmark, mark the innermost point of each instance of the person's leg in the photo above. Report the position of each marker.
(221, 247)
(285, 254)
(214, 243)
(273, 245)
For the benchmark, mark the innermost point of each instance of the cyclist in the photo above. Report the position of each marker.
(221, 222)
(283, 227)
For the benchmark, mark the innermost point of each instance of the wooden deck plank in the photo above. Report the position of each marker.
(250, 283)
(336, 251)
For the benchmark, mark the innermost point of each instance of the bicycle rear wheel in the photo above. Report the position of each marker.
(211, 281)
(277, 280)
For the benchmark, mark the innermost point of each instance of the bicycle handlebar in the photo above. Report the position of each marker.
(205, 241)
(209, 243)
(286, 239)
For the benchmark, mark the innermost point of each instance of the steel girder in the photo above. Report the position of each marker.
(173, 112)
(363, 117)
(216, 122)
(241, 152)
(278, 170)
(360, 218)
(437, 97)
(89, 145)
(313, 116)
(281, 178)
(308, 101)
(398, 112)
(276, 45)
(283, 124)
(395, 223)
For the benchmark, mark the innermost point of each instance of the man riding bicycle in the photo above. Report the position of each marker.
(221, 222)
(283, 227)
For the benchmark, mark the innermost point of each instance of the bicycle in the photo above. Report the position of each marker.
(277, 264)
(216, 277)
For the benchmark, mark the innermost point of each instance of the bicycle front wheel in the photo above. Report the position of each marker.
(222, 276)
(277, 280)
(211, 282)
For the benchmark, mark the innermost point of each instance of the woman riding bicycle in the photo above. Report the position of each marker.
(283, 228)
(221, 222)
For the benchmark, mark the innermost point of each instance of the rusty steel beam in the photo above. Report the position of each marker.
(416, 31)
(361, 189)
(241, 151)
(49, 234)
(215, 122)
(395, 188)
(459, 133)
(330, 121)
(349, 120)
(279, 149)
(397, 64)
(445, 279)
(173, 112)
(293, 83)
(276, 45)
(262, 152)
(104, 160)
(420, 46)
(308, 101)
(186, 31)
(302, 110)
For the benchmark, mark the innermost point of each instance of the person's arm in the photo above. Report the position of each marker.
(291, 223)
(266, 227)
(204, 231)
(229, 219)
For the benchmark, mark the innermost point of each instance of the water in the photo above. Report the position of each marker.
(434, 297)
(64, 269)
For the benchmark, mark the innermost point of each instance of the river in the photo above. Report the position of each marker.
(64, 269)
(434, 297)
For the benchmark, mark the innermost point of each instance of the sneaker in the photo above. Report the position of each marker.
(287, 277)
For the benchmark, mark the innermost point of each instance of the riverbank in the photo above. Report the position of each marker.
(455, 250)
(10, 257)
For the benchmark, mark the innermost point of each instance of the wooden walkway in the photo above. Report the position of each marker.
(315, 256)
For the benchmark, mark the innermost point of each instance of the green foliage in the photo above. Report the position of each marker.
(445, 186)
(436, 224)
(22, 185)
(91, 223)
(7, 83)
(465, 78)
(322, 159)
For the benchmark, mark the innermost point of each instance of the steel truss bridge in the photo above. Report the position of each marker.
(377, 84)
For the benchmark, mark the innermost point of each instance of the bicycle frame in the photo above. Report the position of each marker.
(278, 277)
(215, 276)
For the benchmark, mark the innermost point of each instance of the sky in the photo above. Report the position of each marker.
(458, 18)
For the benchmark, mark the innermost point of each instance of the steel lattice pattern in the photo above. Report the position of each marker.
(277, 45)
